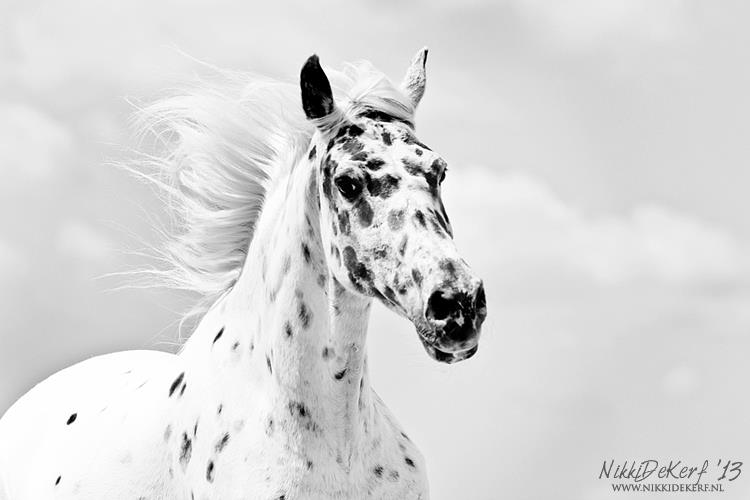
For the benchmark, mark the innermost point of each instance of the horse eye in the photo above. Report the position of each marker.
(348, 187)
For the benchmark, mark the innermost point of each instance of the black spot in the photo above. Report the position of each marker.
(350, 130)
(433, 177)
(418, 151)
(219, 409)
(210, 471)
(364, 213)
(218, 335)
(358, 272)
(268, 363)
(396, 220)
(72, 418)
(419, 217)
(374, 163)
(195, 428)
(412, 167)
(309, 465)
(361, 156)
(176, 383)
(329, 167)
(57, 481)
(382, 116)
(288, 329)
(182, 391)
(186, 451)
(235, 345)
(417, 276)
(326, 352)
(311, 156)
(297, 409)
(340, 375)
(344, 225)
(449, 267)
(402, 246)
(355, 130)
(404, 435)
(378, 470)
(304, 315)
(306, 252)
(409, 462)
(269, 426)
(387, 138)
(221, 443)
(383, 186)
(352, 146)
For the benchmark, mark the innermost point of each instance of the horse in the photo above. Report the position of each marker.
(294, 208)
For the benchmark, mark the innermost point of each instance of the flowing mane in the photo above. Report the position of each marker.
(222, 144)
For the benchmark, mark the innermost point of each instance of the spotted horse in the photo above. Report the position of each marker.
(290, 217)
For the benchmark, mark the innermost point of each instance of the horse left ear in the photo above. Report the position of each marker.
(416, 77)
(317, 97)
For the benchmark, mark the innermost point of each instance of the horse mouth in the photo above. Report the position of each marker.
(447, 357)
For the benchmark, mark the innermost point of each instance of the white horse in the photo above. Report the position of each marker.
(288, 224)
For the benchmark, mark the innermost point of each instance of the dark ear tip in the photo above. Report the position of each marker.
(312, 62)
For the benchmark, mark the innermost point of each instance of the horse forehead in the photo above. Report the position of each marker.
(396, 144)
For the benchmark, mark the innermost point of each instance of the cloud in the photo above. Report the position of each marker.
(77, 239)
(64, 46)
(33, 143)
(12, 262)
(580, 24)
(533, 233)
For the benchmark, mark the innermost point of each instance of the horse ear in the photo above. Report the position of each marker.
(416, 77)
(317, 97)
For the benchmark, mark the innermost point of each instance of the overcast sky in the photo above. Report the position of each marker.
(598, 182)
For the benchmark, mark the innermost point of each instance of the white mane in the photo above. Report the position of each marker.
(223, 143)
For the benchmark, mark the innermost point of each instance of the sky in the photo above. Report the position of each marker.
(598, 154)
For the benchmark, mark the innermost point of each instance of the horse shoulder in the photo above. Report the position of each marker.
(93, 428)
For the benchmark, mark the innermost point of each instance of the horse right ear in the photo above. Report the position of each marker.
(317, 97)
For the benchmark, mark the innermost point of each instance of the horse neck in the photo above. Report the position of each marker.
(304, 333)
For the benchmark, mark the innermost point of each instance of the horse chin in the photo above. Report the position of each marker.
(447, 357)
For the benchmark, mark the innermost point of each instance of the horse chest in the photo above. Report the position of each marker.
(267, 456)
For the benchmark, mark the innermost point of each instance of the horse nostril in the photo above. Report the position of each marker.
(440, 307)
(480, 301)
